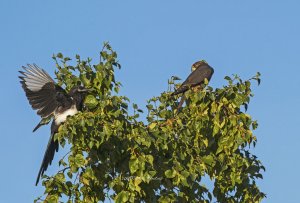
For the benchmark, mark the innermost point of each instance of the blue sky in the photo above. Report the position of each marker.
(155, 40)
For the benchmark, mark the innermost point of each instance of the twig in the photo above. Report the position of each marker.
(66, 154)
(63, 170)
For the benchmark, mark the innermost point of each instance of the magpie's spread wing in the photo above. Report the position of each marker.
(203, 70)
(47, 98)
(41, 90)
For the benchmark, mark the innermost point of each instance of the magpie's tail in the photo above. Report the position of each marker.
(49, 154)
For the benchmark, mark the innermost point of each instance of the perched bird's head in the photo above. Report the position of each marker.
(198, 64)
(78, 90)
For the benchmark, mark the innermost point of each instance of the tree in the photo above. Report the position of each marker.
(116, 156)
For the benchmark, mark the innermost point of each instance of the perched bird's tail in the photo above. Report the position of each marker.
(50, 151)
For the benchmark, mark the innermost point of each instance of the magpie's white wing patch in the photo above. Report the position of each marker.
(35, 78)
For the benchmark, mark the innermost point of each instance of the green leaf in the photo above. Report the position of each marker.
(79, 160)
(123, 196)
(152, 125)
(170, 173)
(150, 159)
(90, 101)
(205, 81)
(205, 141)
(85, 80)
(52, 199)
(209, 159)
(133, 165)
(135, 106)
(227, 78)
(59, 55)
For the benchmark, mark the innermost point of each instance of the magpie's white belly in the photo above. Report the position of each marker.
(61, 117)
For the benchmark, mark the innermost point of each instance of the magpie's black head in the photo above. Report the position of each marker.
(78, 93)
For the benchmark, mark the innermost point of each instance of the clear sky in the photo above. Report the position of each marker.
(154, 41)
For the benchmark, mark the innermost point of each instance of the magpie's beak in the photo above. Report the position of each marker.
(85, 90)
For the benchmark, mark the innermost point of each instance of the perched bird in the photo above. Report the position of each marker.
(50, 100)
(200, 71)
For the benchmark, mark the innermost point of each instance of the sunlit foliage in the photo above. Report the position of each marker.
(115, 155)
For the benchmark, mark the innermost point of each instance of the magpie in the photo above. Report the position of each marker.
(200, 71)
(51, 101)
